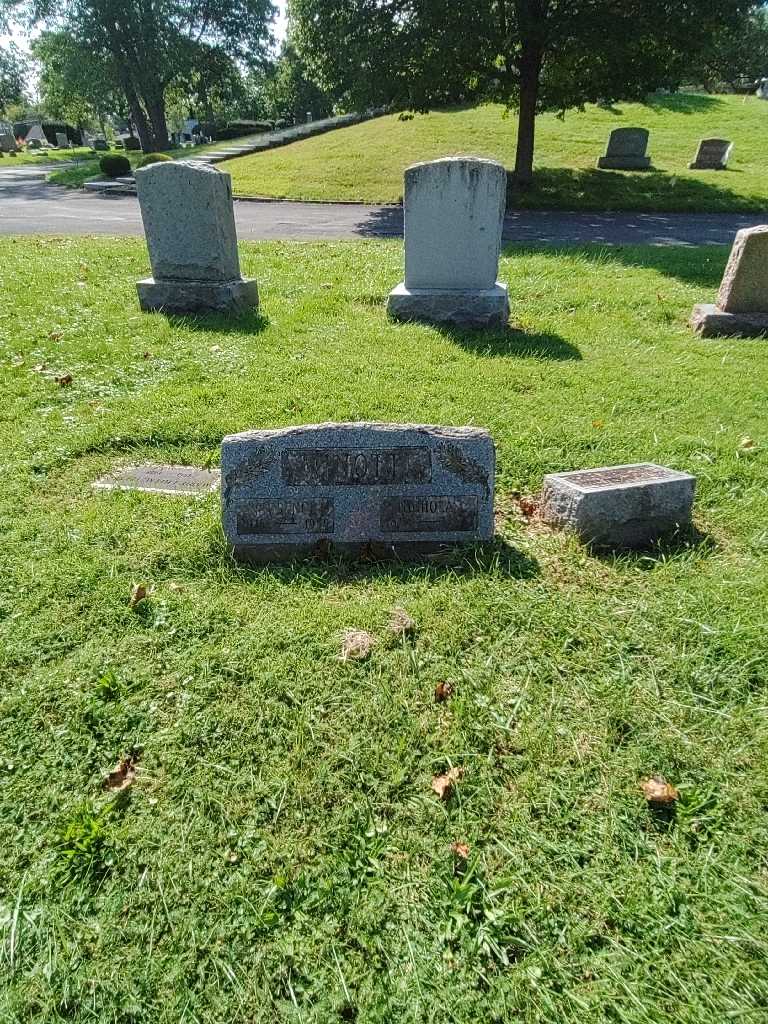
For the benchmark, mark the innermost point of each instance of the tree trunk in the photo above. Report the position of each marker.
(530, 69)
(156, 110)
(143, 129)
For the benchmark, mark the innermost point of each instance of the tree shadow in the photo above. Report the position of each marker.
(685, 102)
(510, 341)
(655, 190)
(249, 322)
(381, 222)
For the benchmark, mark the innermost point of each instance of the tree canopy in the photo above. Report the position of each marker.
(12, 71)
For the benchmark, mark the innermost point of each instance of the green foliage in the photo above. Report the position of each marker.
(290, 91)
(737, 57)
(76, 82)
(153, 158)
(84, 841)
(13, 67)
(115, 165)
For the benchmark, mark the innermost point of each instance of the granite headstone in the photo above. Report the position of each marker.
(626, 151)
(741, 307)
(453, 215)
(355, 488)
(189, 222)
(712, 155)
(160, 478)
(619, 506)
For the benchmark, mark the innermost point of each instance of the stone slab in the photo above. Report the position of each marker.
(624, 163)
(453, 212)
(189, 221)
(744, 288)
(627, 506)
(711, 322)
(488, 307)
(391, 490)
(712, 155)
(626, 150)
(162, 478)
(198, 296)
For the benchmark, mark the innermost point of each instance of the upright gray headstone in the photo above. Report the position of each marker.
(189, 222)
(7, 143)
(619, 506)
(356, 488)
(742, 302)
(454, 214)
(712, 155)
(627, 150)
(61, 140)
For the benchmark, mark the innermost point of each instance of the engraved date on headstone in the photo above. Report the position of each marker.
(429, 513)
(285, 516)
(334, 467)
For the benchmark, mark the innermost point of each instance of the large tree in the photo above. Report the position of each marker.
(532, 55)
(148, 46)
(12, 71)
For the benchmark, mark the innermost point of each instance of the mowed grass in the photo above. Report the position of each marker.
(366, 162)
(47, 156)
(281, 855)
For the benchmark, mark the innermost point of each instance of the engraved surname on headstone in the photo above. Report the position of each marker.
(395, 489)
(160, 479)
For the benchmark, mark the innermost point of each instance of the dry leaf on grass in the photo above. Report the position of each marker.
(64, 380)
(658, 792)
(443, 692)
(746, 443)
(460, 850)
(356, 645)
(444, 785)
(138, 593)
(528, 506)
(54, 336)
(401, 623)
(122, 775)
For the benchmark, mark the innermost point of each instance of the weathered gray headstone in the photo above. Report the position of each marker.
(356, 488)
(712, 155)
(619, 506)
(7, 143)
(742, 302)
(627, 150)
(189, 222)
(160, 479)
(453, 213)
(100, 145)
(61, 140)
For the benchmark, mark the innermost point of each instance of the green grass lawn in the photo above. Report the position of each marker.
(280, 855)
(43, 157)
(365, 162)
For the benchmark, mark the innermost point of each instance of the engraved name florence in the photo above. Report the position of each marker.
(362, 466)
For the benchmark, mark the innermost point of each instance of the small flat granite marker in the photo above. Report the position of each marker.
(627, 150)
(712, 155)
(189, 222)
(453, 217)
(742, 302)
(160, 479)
(356, 488)
(619, 506)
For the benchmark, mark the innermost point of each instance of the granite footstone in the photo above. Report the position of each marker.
(160, 478)
(453, 217)
(626, 150)
(741, 307)
(382, 489)
(712, 155)
(628, 506)
(189, 223)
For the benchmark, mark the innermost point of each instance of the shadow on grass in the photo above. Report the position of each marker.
(681, 262)
(249, 322)
(684, 545)
(653, 191)
(684, 102)
(494, 557)
(511, 341)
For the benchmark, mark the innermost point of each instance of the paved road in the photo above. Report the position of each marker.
(29, 206)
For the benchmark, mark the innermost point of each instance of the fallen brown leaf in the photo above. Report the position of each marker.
(598, 424)
(138, 593)
(460, 850)
(54, 336)
(356, 645)
(528, 506)
(746, 443)
(64, 379)
(401, 623)
(146, 355)
(443, 692)
(658, 791)
(444, 785)
(122, 775)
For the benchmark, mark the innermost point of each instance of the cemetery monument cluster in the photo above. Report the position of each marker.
(407, 490)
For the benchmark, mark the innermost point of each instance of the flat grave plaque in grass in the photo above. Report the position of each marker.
(161, 479)
(356, 488)
(619, 506)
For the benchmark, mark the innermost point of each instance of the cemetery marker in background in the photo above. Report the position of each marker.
(383, 488)
(627, 150)
(712, 155)
(189, 222)
(453, 217)
(742, 302)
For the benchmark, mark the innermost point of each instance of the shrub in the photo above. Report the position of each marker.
(153, 158)
(115, 165)
(131, 143)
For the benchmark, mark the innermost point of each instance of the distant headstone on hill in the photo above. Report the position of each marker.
(742, 302)
(189, 222)
(626, 151)
(712, 155)
(453, 213)
(357, 489)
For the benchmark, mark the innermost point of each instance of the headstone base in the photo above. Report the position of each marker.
(709, 321)
(488, 307)
(695, 165)
(619, 506)
(624, 163)
(379, 551)
(198, 296)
